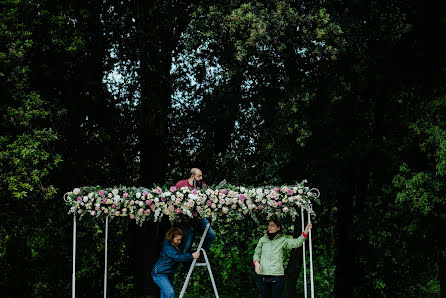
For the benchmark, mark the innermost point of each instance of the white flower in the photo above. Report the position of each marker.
(90, 195)
(300, 191)
(115, 191)
(76, 191)
(166, 194)
(85, 199)
(172, 198)
(208, 192)
(138, 195)
(309, 194)
(110, 195)
(116, 198)
(156, 200)
(191, 196)
(92, 213)
(141, 204)
(242, 189)
(259, 191)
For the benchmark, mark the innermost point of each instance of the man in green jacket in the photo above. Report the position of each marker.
(268, 258)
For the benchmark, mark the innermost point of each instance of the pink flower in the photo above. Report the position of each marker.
(101, 193)
(276, 189)
(194, 191)
(198, 208)
(140, 211)
(125, 195)
(280, 203)
(132, 203)
(224, 191)
(242, 197)
(260, 207)
(178, 211)
(117, 213)
(96, 208)
(147, 212)
(195, 214)
(148, 202)
(145, 193)
(163, 199)
(208, 202)
(170, 208)
(158, 190)
(284, 189)
(79, 199)
(299, 197)
(132, 216)
(113, 206)
(285, 209)
(104, 201)
(300, 191)
(173, 188)
(290, 192)
(222, 201)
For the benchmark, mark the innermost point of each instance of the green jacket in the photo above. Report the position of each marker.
(270, 253)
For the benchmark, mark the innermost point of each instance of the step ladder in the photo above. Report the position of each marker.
(206, 263)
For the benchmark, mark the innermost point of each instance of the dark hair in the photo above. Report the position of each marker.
(172, 233)
(277, 222)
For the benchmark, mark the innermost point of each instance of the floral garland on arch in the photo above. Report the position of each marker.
(144, 204)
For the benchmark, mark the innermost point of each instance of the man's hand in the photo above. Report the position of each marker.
(258, 267)
(196, 254)
(308, 228)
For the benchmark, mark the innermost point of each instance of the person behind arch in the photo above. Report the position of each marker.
(164, 270)
(268, 258)
(194, 226)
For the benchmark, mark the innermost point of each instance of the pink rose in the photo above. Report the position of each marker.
(145, 193)
(113, 206)
(280, 203)
(79, 199)
(147, 212)
(117, 213)
(290, 192)
(178, 211)
(170, 208)
(163, 199)
(222, 201)
(125, 195)
(140, 211)
(242, 197)
(96, 208)
(173, 188)
(208, 202)
(260, 207)
(284, 189)
(276, 189)
(224, 191)
(132, 216)
(101, 193)
(194, 191)
(104, 201)
(148, 202)
(198, 208)
(158, 190)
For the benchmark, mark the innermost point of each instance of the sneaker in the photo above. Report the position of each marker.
(201, 259)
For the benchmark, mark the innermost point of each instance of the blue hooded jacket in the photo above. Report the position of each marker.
(169, 258)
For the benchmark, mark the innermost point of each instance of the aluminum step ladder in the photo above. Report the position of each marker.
(206, 263)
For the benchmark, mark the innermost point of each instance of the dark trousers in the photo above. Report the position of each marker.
(271, 286)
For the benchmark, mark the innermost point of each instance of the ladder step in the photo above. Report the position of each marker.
(201, 264)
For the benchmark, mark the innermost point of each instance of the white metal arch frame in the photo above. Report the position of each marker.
(73, 277)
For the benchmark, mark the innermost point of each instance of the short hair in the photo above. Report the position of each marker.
(172, 233)
(193, 171)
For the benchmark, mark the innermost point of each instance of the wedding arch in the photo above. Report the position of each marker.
(219, 203)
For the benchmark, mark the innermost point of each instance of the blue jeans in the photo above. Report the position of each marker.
(189, 230)
(165, 282)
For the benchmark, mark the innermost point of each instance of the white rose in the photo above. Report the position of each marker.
(259, 191)
(76, 191)
(110, 195)
(141, 204)
(85, 199)
(138, 195)
(115, 191)
(156, 200)
(242, 189)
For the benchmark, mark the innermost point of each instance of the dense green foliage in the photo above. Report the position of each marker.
(347, 94)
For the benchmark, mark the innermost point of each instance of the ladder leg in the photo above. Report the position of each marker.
(189, 274)
(210, 273)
